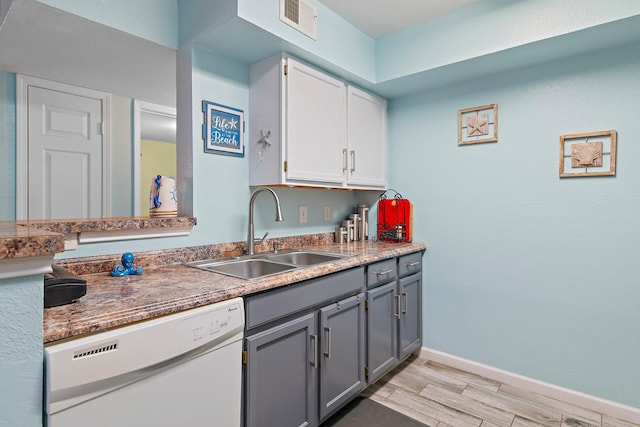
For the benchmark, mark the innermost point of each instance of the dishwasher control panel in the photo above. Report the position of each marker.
(200, 329)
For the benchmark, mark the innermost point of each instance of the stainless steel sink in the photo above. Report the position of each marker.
(266, 264)
(304, 258)
(246, 268)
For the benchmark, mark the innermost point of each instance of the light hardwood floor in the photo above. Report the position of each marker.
(441, 396)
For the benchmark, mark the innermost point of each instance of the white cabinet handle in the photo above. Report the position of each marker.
(344, 160)
(353, 161)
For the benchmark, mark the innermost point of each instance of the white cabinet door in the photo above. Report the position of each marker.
(315, 125)
(366, 139)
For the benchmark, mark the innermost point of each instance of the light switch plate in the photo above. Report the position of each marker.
(302, 214)
(327, 213)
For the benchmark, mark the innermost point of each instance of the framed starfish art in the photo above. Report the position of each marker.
(478, 124)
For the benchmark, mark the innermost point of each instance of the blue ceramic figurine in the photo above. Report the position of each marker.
(126, 268)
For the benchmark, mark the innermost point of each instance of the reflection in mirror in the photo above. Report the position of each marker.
(67, 48)
(154, 149)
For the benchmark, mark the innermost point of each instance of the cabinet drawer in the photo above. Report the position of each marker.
(381, 272)
(282, 302)
(409, 264)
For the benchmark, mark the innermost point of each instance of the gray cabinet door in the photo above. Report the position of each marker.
(281, 375)
(382, 330)
(341, 353)
(410, 291)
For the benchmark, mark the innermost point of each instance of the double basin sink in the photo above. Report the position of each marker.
(266, 264)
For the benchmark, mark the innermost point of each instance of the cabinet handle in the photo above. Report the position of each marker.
(314, 362)
(327, 331)
(412, 264)
(384, 272)
(353, 161)
(397, 313)
(406, 303)
(344, 160)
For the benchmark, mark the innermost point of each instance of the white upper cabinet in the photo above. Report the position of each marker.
(366, 139)
(301, 134)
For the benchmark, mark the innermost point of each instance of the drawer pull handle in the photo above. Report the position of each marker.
(384, 272)
(328, 336)
(314, 350)
(397, 313)
(406, 303)
(412, 264)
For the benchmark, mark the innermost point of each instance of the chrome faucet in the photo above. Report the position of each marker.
(250, 239)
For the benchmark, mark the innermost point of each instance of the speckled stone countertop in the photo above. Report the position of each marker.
(109, 224)
(17, 241)
(169, 288)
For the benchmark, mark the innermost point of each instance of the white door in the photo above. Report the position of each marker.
(64, 154)
(315, 125)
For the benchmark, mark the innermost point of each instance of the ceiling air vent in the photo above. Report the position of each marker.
(301, 15)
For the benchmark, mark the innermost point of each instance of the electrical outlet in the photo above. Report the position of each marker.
(327, 213)
(302, 214)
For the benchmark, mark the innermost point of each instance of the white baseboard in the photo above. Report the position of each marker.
(612, 409)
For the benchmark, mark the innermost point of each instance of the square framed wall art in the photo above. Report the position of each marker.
(478, 124)
(223, 129)
(588, 154)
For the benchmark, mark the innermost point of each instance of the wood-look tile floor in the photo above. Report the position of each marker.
(441, 396)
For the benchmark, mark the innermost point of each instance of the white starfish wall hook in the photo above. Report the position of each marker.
(264, 138)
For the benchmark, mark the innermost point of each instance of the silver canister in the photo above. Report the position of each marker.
(355, 219)
(341, 235)
(363, 211)
(348, 225)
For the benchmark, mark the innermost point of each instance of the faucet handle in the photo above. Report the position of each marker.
(262, 238)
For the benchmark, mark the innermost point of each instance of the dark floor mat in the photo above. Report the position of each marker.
(363, 412)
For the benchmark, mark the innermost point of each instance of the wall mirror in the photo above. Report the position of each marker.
(44, 42)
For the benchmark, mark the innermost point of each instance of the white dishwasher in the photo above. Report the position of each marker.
(183, 369)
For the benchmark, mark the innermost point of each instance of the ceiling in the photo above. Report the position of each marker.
(379, 18)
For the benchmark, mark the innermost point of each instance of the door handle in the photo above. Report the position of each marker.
(314, 361)
(353, 161)
(327, 331)
(397, 313)
(344, 160)
(406, 303)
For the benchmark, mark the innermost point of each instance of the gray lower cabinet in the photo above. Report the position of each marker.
(311, 347)
(342, 336)
(382, 331)
(304, 361)
(410, 321)
(394, 312)
(281, 376)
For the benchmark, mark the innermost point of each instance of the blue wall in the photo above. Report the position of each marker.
(7, 146)
(21, 351)
(154, 20)
(525, 271)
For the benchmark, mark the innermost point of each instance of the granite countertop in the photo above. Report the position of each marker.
(18, 241)
(115, 301)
